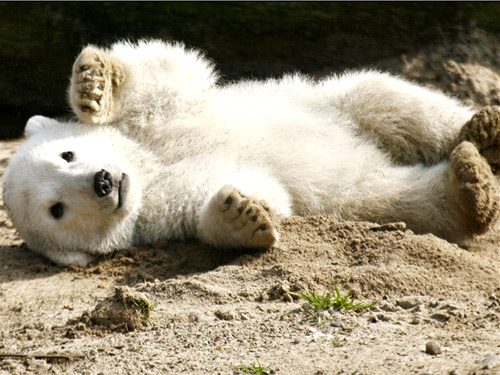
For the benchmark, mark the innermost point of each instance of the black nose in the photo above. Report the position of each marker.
(103, 183)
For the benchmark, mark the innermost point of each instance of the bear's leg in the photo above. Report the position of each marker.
(483, 131)
(455, 199)
(410, 123)
(232, 219)
(96, 77)
(476, 189)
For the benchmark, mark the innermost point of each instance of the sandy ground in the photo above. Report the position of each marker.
(215, 311)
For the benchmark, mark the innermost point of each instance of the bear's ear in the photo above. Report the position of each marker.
(37, 124)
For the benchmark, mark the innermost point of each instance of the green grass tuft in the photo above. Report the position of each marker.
(255, 369)
(144, 307)
(319, 303)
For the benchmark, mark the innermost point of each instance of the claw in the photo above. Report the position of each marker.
(96, 93)
(94, 106)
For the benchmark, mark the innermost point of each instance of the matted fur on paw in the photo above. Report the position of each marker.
(94, 78)
(478, 190)
(483, 131)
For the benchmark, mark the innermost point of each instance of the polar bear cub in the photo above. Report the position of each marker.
(162, 150)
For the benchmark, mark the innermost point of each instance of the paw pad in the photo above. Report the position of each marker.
(252, 221)
(477, 188)
(94, 78)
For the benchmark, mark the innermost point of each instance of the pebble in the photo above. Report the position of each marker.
(490, 362)
(387, 306)
(415, 320)
(337, 323)
(440, 317)
(384, 317)
(193, 317)
(244, 316)
(372, 318)
(408, 303)
(225, 315)
(432, 348)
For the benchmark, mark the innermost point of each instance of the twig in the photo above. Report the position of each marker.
(67, 357)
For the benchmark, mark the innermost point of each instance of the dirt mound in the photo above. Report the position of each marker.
(125, 311)
(464, 64)
(371, 260)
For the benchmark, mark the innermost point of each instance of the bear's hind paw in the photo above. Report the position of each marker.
(478, 191)
(483, 131)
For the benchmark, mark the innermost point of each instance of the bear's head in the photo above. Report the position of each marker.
(70, 191)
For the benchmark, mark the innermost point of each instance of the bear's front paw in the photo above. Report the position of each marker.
(69, 258)
(252, 218)
(236, 220)
(483, 131)
(95, 77)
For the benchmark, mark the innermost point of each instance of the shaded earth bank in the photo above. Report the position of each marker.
(186, 308)
(40, 40)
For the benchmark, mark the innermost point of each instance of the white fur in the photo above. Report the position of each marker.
(361, 146)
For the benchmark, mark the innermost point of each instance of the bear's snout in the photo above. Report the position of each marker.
(103, 183)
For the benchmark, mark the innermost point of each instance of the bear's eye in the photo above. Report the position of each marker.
(68, 156)
(57, 211)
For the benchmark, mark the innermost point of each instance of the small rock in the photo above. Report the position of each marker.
(327, 315)
(244, 316)
(389, 227)
(193, 317)
(448, 306)
(36, 365)
(432, 348)
(225, 315)
(490, 362)
(337, 323)
(432, 304)
(408, 303)
(416, 320)
(384, 317)
(454, 372)
(372, 318)
(386, 306)
(440, 317)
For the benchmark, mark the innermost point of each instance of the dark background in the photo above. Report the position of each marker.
(39, 41)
